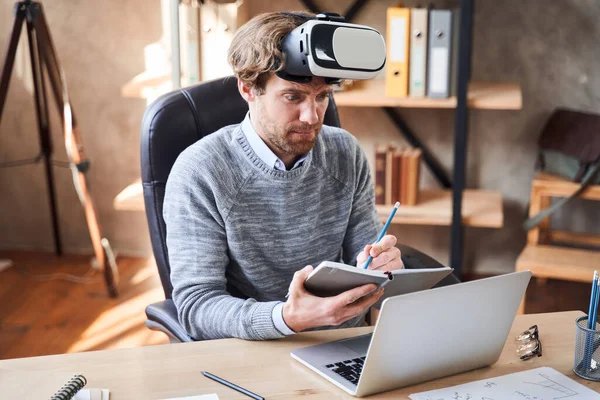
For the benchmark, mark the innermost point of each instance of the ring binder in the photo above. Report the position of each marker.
(70, 389)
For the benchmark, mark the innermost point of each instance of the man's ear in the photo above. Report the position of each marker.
(246, 92)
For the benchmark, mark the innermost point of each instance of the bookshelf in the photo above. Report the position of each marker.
(470, 95)
(453, 206)
(480, 209)
(481, 95)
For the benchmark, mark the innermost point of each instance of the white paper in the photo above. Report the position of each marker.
(92, 394)
(211, 396)
(537, 384)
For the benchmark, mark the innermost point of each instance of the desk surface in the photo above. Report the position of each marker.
(266, 368)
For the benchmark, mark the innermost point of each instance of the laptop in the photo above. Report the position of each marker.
(423, 336)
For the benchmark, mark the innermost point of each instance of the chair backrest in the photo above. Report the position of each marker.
(173, 122)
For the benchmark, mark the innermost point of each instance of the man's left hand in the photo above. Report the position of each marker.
(386, 257)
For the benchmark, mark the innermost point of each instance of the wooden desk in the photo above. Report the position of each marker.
(266, 368)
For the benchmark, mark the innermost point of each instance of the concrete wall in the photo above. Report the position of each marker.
(100, 46)
(549, 46)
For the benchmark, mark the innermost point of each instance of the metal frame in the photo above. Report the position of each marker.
(461, 128)
(461, 133)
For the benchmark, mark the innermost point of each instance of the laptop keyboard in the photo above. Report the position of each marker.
(348, 369)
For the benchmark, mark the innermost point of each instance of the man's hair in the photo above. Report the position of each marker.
(255, 51)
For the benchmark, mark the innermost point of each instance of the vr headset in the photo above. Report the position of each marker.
(326, 46)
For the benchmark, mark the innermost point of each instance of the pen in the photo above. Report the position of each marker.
(232, 386)
(382, 234)
(593, 302)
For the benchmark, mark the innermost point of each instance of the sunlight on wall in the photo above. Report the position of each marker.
(212, 24)
(22, 66)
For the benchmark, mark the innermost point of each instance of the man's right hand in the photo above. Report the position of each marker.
(304, 310)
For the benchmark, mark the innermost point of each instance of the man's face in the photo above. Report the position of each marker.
(289, 115)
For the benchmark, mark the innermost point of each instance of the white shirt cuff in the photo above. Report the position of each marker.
(279, 322)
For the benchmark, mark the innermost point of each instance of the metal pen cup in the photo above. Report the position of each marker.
(587, 341)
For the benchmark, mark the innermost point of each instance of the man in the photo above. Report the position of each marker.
(251, 207)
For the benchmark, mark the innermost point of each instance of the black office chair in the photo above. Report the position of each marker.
(173, 122)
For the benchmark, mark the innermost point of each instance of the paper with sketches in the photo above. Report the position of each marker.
(537, 384)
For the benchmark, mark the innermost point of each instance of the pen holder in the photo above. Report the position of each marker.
(587, 341)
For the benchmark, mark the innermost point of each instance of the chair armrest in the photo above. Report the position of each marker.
(162, 316)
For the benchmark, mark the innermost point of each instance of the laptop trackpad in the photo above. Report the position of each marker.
(359, 344)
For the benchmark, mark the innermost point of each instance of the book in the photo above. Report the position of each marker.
(380, 173)
(332, 278)
(389, 174)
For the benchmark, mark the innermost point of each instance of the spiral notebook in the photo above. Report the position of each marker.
(73, 390)
(47, 385)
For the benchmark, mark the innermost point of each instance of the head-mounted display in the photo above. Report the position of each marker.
(327, 47)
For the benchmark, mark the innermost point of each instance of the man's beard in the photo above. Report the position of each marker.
(290, 142)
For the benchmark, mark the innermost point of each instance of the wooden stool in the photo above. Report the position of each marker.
(545, 260)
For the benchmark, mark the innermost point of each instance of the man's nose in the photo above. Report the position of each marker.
(309, 113)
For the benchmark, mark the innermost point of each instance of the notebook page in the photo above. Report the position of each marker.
(540, 383)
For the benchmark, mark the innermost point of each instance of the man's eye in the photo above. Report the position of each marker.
(323, 96)
(292, 97)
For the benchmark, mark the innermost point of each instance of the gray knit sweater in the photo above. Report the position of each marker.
(237, 229)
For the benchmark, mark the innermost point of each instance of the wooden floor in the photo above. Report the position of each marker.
(57, 316)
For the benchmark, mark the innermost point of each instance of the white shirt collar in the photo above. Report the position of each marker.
(261, 149)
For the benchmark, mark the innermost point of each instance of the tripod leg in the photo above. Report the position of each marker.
(9, 58)
(41, 107)
(74, 147)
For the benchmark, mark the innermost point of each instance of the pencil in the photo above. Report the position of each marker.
(383, 231)
(232, 386)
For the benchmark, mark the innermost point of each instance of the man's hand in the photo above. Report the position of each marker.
(386, 257)
(304, 310)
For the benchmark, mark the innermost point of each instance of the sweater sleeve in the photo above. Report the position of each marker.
(364, 224)
(198, 257)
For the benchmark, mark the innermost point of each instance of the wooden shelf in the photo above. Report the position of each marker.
(559, 262)
(481, 208)
(481, 95)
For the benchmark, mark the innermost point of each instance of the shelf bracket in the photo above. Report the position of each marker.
(350, 11)
(354, 9)
(311, 6)
(429, 159)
